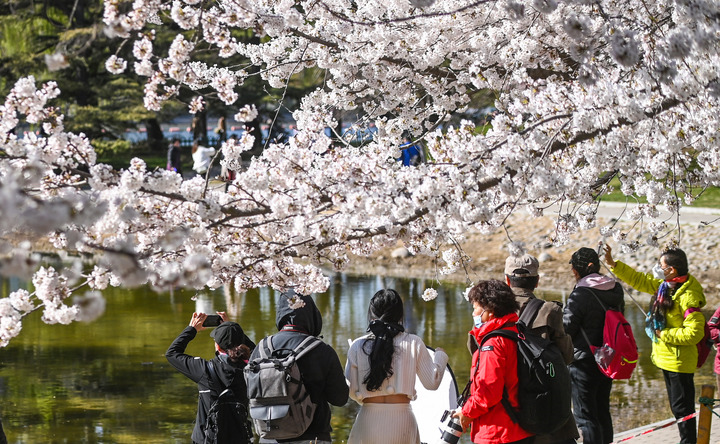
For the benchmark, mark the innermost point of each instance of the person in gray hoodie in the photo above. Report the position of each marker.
(584, 321)
(297, 317)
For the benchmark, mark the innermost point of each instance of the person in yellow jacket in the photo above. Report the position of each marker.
(675, 325)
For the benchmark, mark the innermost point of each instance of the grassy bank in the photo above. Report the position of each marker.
(707, 198)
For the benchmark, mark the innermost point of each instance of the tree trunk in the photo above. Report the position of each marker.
(154, 135)
(199, 127)
(254, 128)
(337, 131)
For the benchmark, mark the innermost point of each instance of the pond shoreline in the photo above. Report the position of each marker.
(487, 253)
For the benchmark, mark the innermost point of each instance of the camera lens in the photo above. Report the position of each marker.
(451, 431)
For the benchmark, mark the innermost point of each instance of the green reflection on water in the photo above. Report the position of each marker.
(109, 382)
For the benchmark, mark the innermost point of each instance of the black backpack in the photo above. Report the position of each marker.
(544, 393)
(227, 420)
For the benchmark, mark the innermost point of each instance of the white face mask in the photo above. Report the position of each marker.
(658, 272)
(477, 320)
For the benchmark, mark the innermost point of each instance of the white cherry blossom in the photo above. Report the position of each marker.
(585, 92)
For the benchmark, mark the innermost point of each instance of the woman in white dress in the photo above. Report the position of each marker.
(381, 370)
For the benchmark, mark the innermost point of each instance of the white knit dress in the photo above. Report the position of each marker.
(391, 423)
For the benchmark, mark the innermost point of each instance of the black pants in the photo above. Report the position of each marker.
(591, 401)
(681, 393)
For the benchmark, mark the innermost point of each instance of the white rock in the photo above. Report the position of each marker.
(544, 257)
(400, 253)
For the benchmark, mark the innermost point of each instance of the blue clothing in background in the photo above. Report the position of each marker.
(410, 154)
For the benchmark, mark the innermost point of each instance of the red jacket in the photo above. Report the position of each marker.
(714, 324)
(496, 364)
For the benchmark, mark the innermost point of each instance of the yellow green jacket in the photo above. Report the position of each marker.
(676, 349)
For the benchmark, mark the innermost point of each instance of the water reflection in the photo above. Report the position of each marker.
(108, 381)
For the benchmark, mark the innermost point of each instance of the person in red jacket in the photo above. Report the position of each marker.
(494, 368)
(714, 324)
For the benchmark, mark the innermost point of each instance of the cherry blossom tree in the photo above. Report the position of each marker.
(587, 91)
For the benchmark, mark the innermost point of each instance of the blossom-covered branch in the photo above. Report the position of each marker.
(586, 91)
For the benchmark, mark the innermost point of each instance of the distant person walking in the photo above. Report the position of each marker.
(232, 349)
(584, 321)
(411, 154)
(173, 156)
(202, 156)
(381, 370)
(226, 174)
(221, 130)
(675, 325)
(521, 274)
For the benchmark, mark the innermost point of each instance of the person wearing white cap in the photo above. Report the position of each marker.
(521, 274)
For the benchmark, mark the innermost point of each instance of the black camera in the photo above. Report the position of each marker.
(451, 430)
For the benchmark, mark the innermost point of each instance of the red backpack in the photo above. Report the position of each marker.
(618, 355)
(705, 345)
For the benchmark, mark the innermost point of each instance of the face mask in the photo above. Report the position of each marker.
(658, 272)
(477, 321)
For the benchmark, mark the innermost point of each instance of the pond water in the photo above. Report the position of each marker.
(108, 381)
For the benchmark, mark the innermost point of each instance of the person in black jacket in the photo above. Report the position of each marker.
(232, 350)
(296, 317)
(174, 162)
(584, 320)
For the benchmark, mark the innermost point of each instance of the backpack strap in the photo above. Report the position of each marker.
(265, 347)
(691, 310)
(598, 299)
(605, 309)
(531, 311)
(305, 346)
(466, 391)
(214, 378)
(310, 342)
(505, 400)
(500, 332)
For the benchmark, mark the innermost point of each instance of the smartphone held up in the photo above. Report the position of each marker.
(212, 321)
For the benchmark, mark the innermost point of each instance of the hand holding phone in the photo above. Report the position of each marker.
(212, 321)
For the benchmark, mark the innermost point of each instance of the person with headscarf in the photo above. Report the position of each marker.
(296, 318)
(381, 370)
(232, 350)
(675, 325)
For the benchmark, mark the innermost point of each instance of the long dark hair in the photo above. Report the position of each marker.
(385, 315)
